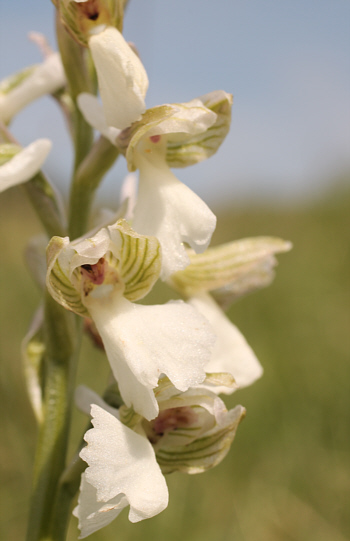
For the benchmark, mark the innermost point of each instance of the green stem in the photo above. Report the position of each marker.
(81, 78)
(61, 352)
(67, 489)
(86, 180)
(44, 201)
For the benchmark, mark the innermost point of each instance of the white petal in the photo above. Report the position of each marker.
(24, 165)
(121, 463)
(143, 342)
(92, 514)
(46, 78)
(128, 194)
(94, 115)
(231, 352)
(170, 211)
(85, 397)
(121, 76)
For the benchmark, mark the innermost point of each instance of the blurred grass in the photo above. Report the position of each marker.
(286, 477)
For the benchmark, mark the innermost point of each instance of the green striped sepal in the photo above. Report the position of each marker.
(191, 149)
(206, 451)
(185, 127)
(129, 417)
(139, 260)
(128, 262)
(228, 264)
(82, 18)
(57, 278)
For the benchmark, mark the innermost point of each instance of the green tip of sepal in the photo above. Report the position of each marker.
(8, 151)
(205, 452)
(58, 283)
(198, 147)
(140, 261)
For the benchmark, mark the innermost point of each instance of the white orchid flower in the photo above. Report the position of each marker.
(192, 433)
(171, 135)
(229, 271)
(101, 277)
(122, 471)
(21, 166)
(17, 91)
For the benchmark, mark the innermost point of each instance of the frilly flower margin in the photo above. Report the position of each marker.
(127, 454)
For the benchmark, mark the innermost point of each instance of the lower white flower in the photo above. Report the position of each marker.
(192, 433)
(122, 471)
(101, 277)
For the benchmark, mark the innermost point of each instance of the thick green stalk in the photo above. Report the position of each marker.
(80, 78)
(61, 331)
(43, 199)
(86, 180)
(68, 487)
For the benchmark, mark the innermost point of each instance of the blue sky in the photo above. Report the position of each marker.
(285, 61)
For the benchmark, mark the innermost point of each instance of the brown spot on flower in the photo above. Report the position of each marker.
(95, 273)
(174, 418)
(155, 138)
(89, 9)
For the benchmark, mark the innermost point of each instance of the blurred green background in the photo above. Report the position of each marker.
(287, 475)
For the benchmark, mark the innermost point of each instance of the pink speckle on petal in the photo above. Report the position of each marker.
(155, 138)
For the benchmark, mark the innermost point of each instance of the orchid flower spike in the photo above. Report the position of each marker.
(19, 165)
(101, 277)
(127, 454)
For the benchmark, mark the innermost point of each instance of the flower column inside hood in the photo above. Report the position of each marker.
(101, 277)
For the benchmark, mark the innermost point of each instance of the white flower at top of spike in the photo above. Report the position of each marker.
(20, 89)
(19, 165)
(101, 277)
(167, 136)
(126, 453)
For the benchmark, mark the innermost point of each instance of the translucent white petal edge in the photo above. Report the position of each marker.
(231, 353)
(24, 165)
